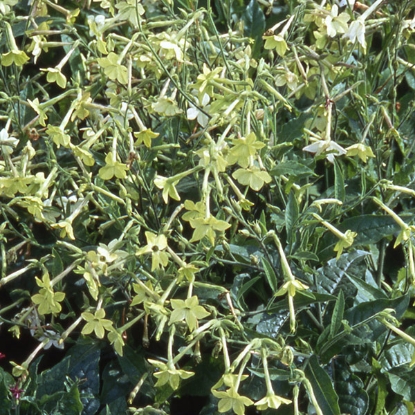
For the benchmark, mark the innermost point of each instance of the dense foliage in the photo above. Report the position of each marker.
(207, 203)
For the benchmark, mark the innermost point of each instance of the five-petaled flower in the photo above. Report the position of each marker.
(271, 401)
(16, 391)
(231, 400)
(328, 147)
(156, 244)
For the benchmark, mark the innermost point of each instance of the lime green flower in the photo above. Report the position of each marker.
(188, 310)
(345, 242)
(169, 374)
(96, 323)
(231, 400)
(243, 149)
(112, 168)
(47, 300)
(271, 401)
(360, 150)
(156, 244)
(207, 227)
(253, 177)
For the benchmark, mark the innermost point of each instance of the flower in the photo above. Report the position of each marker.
(271, 401)
(326, 146)
(169, 374)
(194, 113)
(360, 150)
(7, 143)
(357, 31)
(53, 338)
(345, 242)
(16, 391)
(336, 23)
(155, 245)
(188, 310)
(2, 355)
(231, 399)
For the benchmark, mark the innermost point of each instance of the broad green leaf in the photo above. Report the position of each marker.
(6, 380)
(322, 387)
(242, 253)
(396, 357)
(366, 311)
(291, 168)
(332, 276)
(52, 380)
(350, 389)
(270, 275)
(371, 229)
(365, 290)
(114, 383)
(403, 383)
(254, 24)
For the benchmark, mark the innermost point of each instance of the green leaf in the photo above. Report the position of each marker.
(254, 24)
(365, 290)
(371, 229)
(337, 316)
(6, 380)
(291, 216)
(245, 288)
(291, 168)
(339, 188)
(84, 364)
(403, 383)
(365, 311)
(302, 299)
(353, 399)
(270, 274)
(332, 276)
(52, 380)
(398, 357)
(322, 387)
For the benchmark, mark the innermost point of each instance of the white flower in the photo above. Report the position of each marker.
(96, 23)
(357, 32)
(194, 113)
(329, 147)
(53, 338)
(7, 143)
(343, 3)
(6, 5)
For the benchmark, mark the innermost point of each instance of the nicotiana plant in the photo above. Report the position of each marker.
(207, 201)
